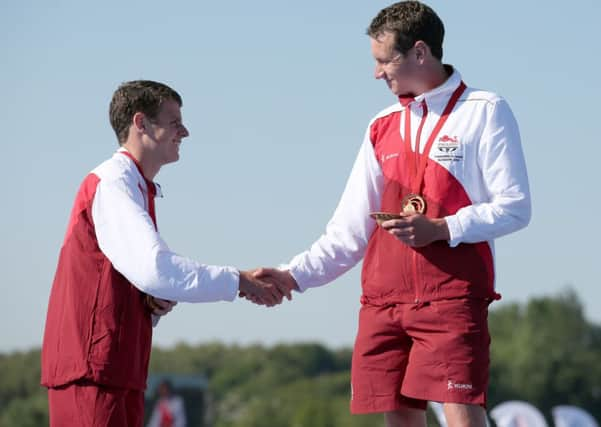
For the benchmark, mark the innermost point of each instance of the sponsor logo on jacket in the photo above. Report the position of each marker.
(385, 157)
(448, 148)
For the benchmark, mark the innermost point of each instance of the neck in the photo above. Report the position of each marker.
(435, 76)
(149, 168)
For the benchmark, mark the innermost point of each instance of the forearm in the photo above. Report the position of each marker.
(502, 205)
(176, 278)
(127, 237)
(322, 264)
(487, 221)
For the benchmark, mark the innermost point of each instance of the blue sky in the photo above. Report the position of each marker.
(277, 96)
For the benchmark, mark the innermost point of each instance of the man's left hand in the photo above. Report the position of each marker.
(158, 306)
(417, 230)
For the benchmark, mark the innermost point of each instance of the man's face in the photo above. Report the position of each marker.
(166, 132)
(164, 390)
(391, 66)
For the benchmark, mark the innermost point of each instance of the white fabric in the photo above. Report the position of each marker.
(516, 413)
(492, 172)
(572, 416)
(177, 409)
(127, 236)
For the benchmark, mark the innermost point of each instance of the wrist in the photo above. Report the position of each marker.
(292, 283)
(442, 229)
(242, 281)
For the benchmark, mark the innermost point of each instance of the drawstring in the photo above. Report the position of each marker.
(420, 304)
(366, 301)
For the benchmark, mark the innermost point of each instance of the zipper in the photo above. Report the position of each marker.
(415, 281)
(416, 154)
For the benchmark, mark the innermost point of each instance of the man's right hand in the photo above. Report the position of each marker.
(281, 278)
(259, 291)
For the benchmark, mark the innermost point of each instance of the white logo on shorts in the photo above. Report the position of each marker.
(452, 385)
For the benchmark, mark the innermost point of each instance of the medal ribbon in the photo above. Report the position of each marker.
(152, 191)
(417, 164)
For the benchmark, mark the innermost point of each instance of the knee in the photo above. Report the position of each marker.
(406, 417)
(463, 415)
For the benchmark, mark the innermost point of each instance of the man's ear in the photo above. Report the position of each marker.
(139, 121)
(422, 51)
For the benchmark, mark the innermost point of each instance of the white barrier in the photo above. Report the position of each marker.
(517, 413)
(572, 416)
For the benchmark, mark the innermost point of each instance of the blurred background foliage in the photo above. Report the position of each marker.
(544, 352)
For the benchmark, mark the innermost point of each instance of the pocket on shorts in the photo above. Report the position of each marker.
(463, 315)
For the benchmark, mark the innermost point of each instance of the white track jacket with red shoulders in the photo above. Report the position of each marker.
(98, 327)
(475, 178)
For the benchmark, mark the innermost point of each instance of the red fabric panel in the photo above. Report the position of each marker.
(97, 326)
(394, 272)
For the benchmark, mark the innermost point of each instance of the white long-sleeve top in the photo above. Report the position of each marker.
(127, 236)
(484, 154)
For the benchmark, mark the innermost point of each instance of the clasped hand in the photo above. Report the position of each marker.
(266, 286)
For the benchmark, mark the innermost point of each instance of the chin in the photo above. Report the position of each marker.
(172, 159)
(395, 90)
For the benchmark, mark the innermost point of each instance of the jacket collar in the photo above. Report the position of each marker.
(158, 191)
(441, 93)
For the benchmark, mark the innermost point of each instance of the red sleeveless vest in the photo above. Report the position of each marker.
(97, 327)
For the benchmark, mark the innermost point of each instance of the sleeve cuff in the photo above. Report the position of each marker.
(296, 275)
(232, 285)
(455, 231)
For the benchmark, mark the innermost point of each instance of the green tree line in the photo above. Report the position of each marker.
(544, 352)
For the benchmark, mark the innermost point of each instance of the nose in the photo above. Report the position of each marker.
(379, 71)
(184, 131)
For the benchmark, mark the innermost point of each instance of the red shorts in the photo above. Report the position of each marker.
(85, 404)
(408, 354)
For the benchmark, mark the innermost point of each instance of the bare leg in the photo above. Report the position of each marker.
(463, 415)
(407, 417)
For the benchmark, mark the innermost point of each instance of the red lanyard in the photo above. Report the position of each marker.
(416, 164)
(152, 191)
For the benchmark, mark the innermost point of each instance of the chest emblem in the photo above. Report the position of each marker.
(448, 148)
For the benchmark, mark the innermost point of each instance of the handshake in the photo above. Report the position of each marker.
(263, 286)
(266, 286)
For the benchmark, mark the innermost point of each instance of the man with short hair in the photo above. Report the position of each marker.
(116, 275)
(446, 162)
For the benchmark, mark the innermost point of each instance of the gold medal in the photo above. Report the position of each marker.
(413, 203)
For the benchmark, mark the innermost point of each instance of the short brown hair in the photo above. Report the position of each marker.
(144, 96)
(410, 21)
